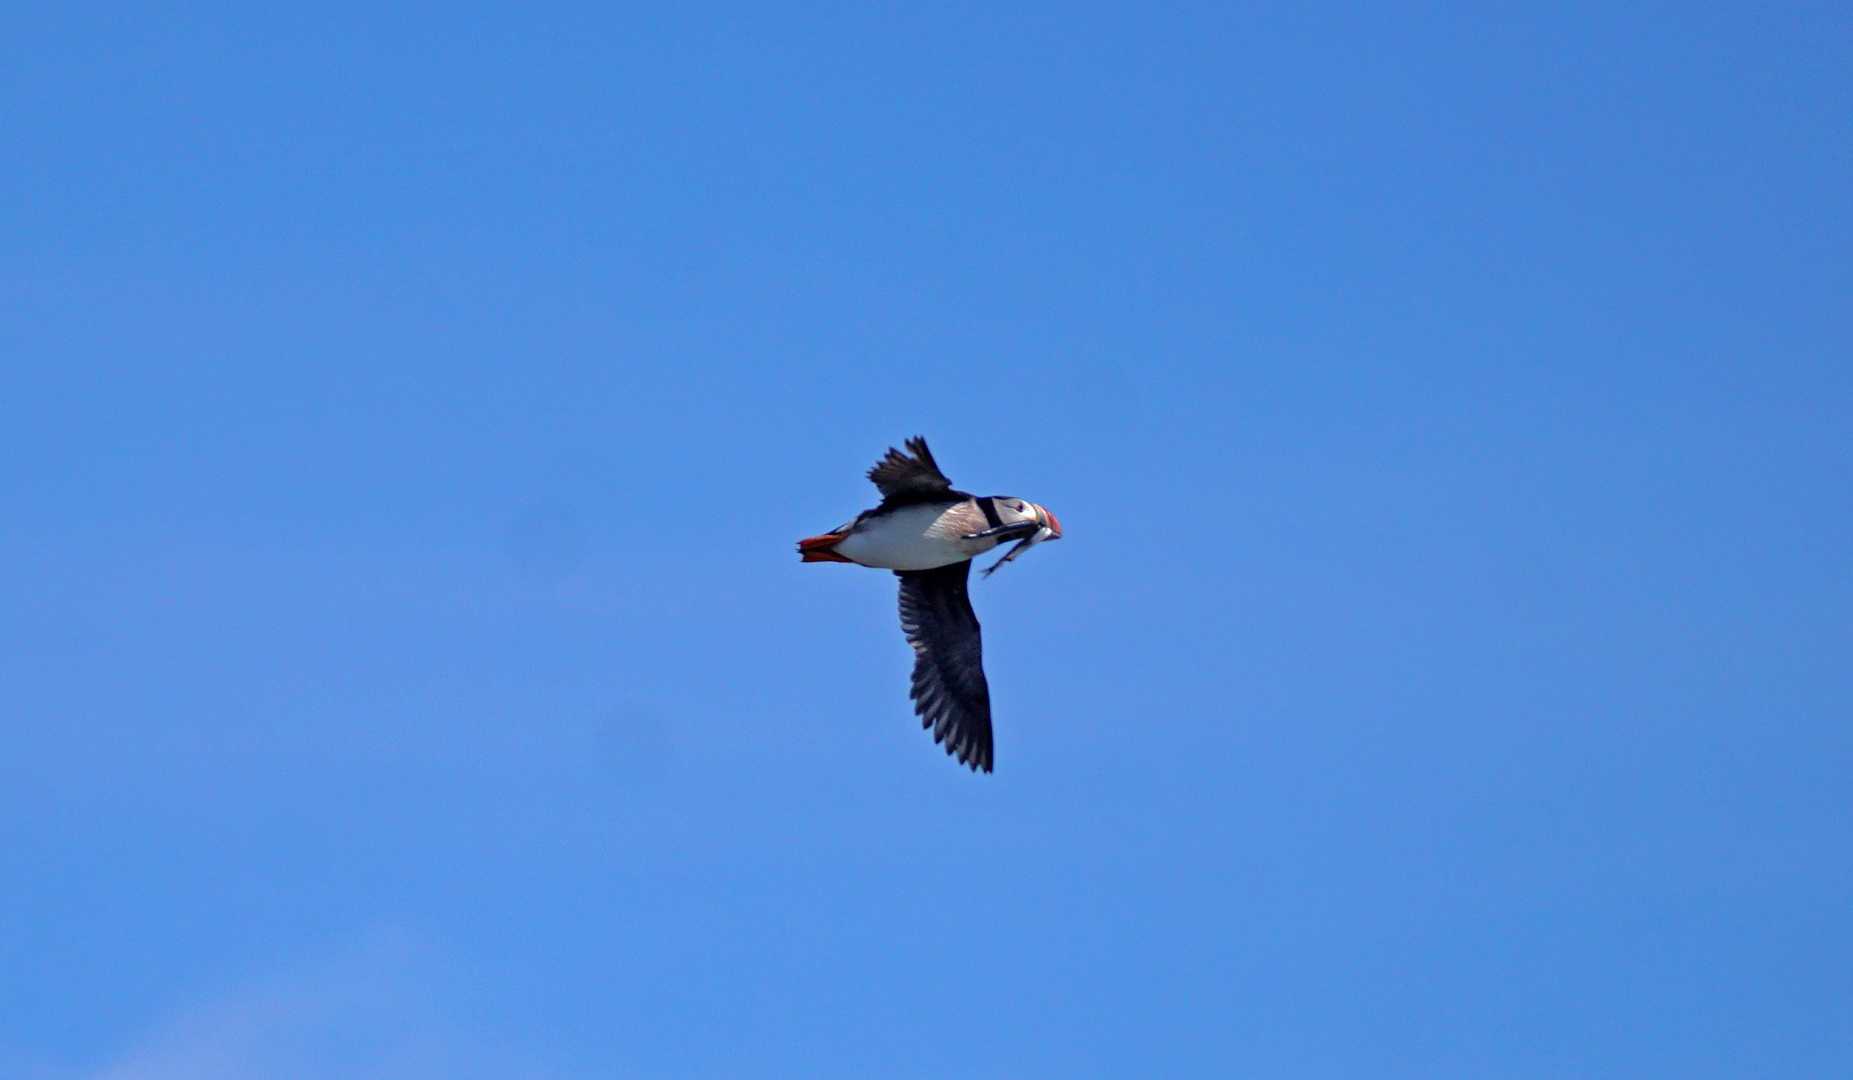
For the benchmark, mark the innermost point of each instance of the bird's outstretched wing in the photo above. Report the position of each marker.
(949, 693)
(911, 477)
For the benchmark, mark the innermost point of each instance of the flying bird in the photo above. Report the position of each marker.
(927, 533)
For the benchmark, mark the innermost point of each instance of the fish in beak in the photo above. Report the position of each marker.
(1047, 528)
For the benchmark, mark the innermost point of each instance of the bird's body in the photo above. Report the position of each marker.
(928, 534)
(920, 536)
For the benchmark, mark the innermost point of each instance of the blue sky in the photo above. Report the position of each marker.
(409, 411)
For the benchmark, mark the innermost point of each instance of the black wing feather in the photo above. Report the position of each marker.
(912, 477)
(949, 693)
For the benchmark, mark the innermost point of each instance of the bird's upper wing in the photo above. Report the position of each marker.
(911, 477)
(949, 693)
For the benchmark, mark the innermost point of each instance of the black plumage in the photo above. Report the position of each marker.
(950, 692)
(911, 478)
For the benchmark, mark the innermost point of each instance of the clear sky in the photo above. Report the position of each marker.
(407, 413)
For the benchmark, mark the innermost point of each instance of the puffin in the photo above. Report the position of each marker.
(928, 534)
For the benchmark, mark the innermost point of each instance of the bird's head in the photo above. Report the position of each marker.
(1015, 511)
(1012, 511)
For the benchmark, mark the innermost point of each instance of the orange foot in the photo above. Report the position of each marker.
(820, 548)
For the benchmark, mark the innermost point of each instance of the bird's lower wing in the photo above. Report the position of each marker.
(949, 693)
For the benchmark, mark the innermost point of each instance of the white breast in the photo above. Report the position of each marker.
(913, 538)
